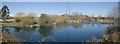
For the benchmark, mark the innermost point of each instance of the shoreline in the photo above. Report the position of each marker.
(16, 26)
(1, 26)
(36, 25)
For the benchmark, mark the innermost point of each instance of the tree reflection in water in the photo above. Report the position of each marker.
(24, 33)
(45, 30)
(77, 25)
(17, 29)
(4, 29)
(46, 33)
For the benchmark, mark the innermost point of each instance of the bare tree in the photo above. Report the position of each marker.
(20, 14)
(31, 15)
(113, 12)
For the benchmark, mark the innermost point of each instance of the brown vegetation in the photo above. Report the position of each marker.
(8, 38)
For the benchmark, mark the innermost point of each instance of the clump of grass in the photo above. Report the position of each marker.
(8, 38)
(111, 37)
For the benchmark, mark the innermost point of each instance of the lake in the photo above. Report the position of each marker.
(59, 33)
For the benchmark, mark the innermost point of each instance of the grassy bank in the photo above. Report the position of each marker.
(0, 24)
(15, 24)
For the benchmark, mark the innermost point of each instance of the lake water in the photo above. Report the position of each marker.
(61, 33)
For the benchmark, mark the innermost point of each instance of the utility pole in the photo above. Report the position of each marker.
(67, 14)
(67, 8)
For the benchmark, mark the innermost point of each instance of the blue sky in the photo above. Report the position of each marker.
(59, 0)
(89, 8)
(0, 4)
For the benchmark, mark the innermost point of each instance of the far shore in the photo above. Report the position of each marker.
(20, 26)
(17, 25)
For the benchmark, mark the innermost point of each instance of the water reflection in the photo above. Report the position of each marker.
(45, 30)
(5, 29)
(0, 35)
(58, 33)
(77, 25)
(17, 29)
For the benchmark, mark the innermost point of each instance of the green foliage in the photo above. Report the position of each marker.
(5, 17)
(60, 19)
(43, 16)
(27, 21)
(44, 20)
(17, 20)
(52, 19)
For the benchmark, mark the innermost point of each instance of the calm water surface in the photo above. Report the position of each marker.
(66, 33)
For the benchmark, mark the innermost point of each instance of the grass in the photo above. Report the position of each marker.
(14, 24)
(10, 24)
(0, 24)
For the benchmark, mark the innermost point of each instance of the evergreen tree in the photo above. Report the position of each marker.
(5, 13)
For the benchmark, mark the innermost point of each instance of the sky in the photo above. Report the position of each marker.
(59, 8)
(0, 4)
(59, 0)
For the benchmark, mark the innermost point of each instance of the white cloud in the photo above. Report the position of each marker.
(60, 0)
